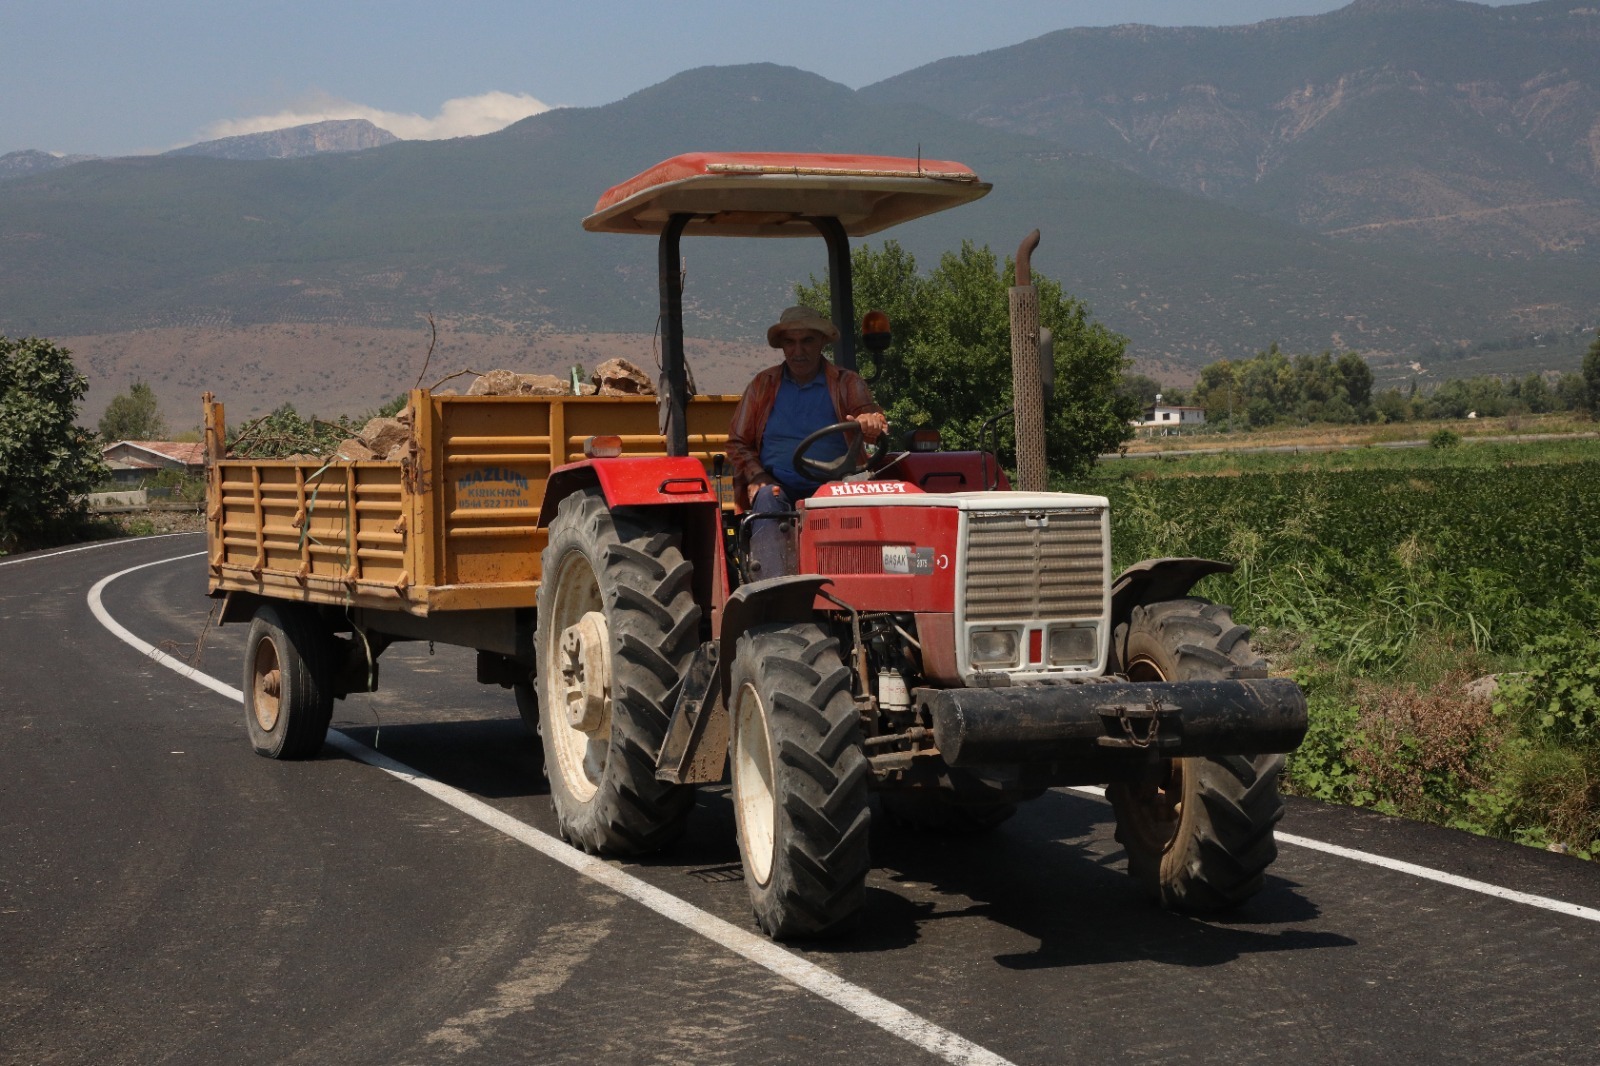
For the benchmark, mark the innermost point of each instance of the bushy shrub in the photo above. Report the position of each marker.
(47, 463)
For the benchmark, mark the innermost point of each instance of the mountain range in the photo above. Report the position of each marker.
(1410, 179)
(314, 138)
(1426, 123)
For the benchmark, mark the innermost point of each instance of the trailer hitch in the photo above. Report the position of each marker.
(1127, 717)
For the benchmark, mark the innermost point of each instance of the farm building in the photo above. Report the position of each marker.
(1164, 416)
(131, 461)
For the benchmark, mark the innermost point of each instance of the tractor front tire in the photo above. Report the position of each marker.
(799, 782)
(1199, 834)
(288, 690)
(617, 626)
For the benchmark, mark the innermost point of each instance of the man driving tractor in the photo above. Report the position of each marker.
(781, 407)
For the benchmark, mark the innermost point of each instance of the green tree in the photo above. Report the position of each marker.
(46, 461)
(1142, 390)
(1572, 393)
(1390, 406)
(133, 415)
(950, 363)
(1591, 374)
(1357, 378)
(1218, 391)
(1535, 394)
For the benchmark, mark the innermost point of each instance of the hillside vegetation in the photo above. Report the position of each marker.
(1429, 123)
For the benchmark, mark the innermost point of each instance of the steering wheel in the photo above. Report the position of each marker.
(853, 461)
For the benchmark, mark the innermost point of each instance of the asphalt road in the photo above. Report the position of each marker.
(166, 896)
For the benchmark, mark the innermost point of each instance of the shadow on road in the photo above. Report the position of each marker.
(490, 757)
(1050, 875)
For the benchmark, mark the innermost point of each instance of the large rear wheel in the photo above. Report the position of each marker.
(527, 696)
(1199, 832)
(617, 625)
(799, 782)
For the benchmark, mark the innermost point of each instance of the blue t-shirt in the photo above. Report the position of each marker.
(797, 412)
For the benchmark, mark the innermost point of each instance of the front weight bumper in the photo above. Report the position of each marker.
(1075, 722)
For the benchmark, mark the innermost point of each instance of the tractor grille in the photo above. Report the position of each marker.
(1028, 565)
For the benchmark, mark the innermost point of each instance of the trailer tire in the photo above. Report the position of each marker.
(617, 594)
(799, 782)
(1199, 834)
(288, 691)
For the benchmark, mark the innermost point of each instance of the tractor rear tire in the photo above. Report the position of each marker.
(1199, 835)
(288, 690)
(799, 782)
(617, 594)
(527, 696)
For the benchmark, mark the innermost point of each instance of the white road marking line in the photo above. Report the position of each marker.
(887, 1015)
(96, 544)
(1430, 874)
(1426, 873)
(99, 611)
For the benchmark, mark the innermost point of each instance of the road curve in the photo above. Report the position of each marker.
(166, 895)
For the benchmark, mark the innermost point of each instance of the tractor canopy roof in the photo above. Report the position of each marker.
(776, 194)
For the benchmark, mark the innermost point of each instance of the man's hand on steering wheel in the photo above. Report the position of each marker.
(855, 458)
(873, 424)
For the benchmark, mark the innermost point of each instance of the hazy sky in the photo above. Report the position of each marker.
(118, 77)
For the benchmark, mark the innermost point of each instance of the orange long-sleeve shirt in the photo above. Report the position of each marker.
(850, 397)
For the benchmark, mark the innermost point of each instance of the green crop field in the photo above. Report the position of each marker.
(1386, 582)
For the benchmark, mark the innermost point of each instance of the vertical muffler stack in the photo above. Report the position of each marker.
(1033, 474)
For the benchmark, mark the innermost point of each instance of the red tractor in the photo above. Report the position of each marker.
(948, 642)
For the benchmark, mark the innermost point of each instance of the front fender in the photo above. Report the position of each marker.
(1155, 580)
(777, 599)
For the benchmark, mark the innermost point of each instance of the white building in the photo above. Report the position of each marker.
(1160, 416)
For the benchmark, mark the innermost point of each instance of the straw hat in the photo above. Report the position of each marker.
(801, 318)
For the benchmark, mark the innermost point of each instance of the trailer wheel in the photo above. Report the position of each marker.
(288, 694)
(799, 782)
(617, 625)
(1199, 833)
(960, 805)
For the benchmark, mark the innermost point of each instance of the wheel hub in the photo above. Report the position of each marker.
(586, 671)
(268, 686)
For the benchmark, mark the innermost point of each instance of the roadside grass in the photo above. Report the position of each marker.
(1440, 607)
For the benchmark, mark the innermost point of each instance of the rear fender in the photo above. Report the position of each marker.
(630, 482)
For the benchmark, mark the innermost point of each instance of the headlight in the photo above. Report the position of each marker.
(993, 647)
(1073, 645)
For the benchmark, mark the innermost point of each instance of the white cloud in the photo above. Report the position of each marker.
(465, 116)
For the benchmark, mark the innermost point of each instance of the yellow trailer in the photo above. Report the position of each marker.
(452, 526)
(331, 561)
